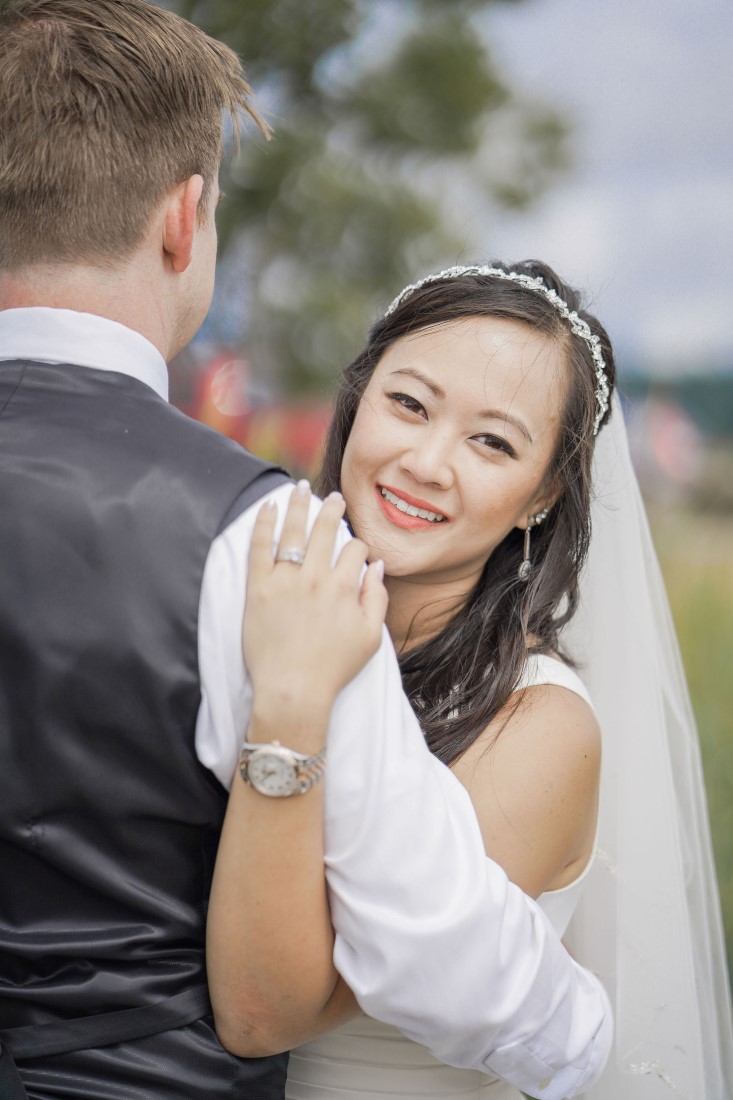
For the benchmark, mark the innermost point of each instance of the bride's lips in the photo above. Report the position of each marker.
(402, 519)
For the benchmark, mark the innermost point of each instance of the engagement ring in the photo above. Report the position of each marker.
(292, 554)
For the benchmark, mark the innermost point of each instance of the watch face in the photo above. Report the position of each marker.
(272, 772)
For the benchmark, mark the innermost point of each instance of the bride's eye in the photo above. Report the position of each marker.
(407, 402)
(496, 443)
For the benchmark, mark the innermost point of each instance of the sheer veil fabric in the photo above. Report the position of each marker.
(649, 920)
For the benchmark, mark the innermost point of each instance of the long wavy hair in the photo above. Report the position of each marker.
(461, 679)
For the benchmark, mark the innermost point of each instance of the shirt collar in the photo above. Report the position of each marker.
(83, 339)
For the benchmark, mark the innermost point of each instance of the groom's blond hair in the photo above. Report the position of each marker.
(105, 106)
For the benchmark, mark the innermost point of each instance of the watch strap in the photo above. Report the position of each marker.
(310, 770)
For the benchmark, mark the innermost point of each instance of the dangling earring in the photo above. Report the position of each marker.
(525, 567)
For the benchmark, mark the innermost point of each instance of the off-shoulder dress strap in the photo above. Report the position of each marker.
(541, 668)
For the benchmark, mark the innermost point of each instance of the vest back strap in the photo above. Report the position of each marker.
(104, 1029)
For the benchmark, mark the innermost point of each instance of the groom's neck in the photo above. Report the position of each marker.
(126, 294)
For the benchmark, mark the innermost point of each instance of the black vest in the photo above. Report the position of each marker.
(109, 501)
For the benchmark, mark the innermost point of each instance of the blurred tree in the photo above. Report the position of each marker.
(386, 115)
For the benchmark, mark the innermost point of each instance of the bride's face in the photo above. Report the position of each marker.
(450, 446)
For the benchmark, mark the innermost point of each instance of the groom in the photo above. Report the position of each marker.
(123, 698)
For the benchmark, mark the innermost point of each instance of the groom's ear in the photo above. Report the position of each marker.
(180, 221)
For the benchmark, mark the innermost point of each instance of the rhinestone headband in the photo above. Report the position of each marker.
(578, 326)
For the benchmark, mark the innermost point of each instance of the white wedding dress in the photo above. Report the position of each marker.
(366, 1058)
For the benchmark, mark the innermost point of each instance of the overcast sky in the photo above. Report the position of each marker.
(645, 220)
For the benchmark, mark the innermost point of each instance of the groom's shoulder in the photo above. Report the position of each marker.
(203, 454)
(164, 429)
(140, 439)
(197, 434)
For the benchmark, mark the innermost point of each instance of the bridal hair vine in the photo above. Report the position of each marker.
(578, 326)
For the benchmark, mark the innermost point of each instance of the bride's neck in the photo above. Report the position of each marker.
(419, 610)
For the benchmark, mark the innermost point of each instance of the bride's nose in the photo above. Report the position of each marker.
(429, 459)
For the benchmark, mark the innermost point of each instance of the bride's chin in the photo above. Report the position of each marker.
(395, 565)
(397, 562)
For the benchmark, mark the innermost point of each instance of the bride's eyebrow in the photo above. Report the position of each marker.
(507, 418)
(484, 414)
(413, 373)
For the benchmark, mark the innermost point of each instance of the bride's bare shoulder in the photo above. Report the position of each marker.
(533, 777)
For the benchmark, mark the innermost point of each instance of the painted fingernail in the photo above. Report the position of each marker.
(268, 507)
(335, 495)
(303, 488)
(379, 568)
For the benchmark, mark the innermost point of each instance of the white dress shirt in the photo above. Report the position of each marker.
(430, 935)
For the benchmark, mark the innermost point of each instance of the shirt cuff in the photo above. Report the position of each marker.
(539, 1080)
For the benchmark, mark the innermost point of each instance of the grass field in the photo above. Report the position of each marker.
(696, 555)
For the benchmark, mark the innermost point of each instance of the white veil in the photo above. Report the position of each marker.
(649, 919)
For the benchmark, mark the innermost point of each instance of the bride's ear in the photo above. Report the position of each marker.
(541, 506)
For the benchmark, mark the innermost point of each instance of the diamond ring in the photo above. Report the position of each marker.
(292, 554)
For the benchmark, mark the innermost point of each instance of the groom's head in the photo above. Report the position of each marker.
(106, 106)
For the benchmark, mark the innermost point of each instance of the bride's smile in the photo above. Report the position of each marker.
(407, 511)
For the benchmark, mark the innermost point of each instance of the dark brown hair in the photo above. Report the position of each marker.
(105, 105)
(461, 679)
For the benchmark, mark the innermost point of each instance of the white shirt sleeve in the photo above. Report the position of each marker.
(430, 934)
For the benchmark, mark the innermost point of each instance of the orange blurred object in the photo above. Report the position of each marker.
(289, 432)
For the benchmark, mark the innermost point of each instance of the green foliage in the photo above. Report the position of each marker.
(696, 558)
(384, 114)
(434, 95)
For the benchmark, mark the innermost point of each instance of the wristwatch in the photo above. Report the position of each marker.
(278, 772)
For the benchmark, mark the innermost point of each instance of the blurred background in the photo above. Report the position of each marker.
(414, 134)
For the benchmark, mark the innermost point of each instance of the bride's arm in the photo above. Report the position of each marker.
(308, 630)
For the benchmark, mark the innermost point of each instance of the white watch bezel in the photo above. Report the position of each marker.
(261, 784)
(305, 771)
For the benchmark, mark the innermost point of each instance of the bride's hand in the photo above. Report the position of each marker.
(308, 629)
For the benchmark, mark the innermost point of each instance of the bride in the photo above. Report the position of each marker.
(477, 445)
